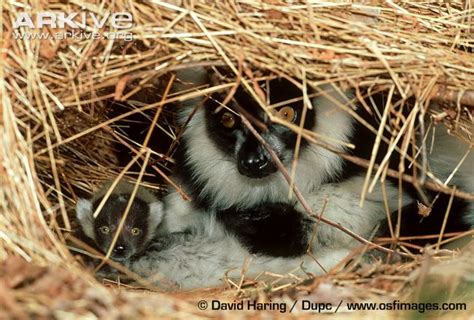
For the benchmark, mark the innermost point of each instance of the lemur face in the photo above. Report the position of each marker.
(225, 165)
(132, 237)
(145, 215)
(225, 128)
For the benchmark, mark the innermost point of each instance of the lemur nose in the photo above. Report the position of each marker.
(254, 162)
(119, 249)
(256, 166)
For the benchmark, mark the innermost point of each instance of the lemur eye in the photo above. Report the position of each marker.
(104, 229)
(228, 120)
(287, 113)
(136, 231)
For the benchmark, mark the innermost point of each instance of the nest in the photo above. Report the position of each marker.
(60, 131)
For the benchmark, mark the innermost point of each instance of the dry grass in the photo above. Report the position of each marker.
(58, 133)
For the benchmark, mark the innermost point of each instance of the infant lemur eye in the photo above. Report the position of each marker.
(228, 120)
(104, 229)
(136, 231)
(287, 113)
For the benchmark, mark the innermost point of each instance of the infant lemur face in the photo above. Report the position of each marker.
(226, 130)
(143, 218)
(132, 237)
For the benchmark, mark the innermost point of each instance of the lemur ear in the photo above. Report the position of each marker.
(84, 216)
(190, 78)
(156, 215)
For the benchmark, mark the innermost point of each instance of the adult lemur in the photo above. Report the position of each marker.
(231, 175)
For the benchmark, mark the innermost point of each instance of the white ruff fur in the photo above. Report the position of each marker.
(210, 255)
(227, 187)
(84, 216)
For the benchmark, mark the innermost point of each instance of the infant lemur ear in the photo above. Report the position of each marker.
(155, 218)
(84, 216)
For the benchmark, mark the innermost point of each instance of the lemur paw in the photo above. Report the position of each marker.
(275, 229)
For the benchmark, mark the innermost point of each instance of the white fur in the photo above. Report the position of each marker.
(155, 218)
(181, 215)
(343, 208)
(84, 216)
(206, 257)
(203, 260)
(210, 254)
(226, 186)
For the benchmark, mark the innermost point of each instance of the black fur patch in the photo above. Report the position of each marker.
(225, 139)
(363, 140)
(278, 229)
(274, 229)
(414, 224)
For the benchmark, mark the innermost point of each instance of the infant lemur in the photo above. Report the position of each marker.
(188, 259)
(143, 218)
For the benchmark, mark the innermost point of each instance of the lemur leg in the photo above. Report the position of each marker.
(340, 203)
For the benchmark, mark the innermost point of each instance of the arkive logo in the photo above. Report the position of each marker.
(78, 25)
(74, 20)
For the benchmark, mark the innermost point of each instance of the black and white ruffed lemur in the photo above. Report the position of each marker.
(232, 178)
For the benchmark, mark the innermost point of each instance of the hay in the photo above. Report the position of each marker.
(58, 134)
